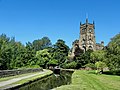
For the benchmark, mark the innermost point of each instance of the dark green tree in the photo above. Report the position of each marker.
(83, 59)
(113, 53)
(60, 51)
(41, 44)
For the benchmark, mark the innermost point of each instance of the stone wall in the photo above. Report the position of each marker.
(6, 73)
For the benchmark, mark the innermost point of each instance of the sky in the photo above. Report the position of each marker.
(29, 20)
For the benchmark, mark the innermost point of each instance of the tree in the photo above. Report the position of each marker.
(113, 53)
(5, 52)
(53, 62)
(43, 57)
(16, 55)
(98, 55)
(83, 58)
(41, 44)
(60, 51)
(70, 65)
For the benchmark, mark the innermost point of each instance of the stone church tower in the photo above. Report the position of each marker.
(87, 36)
(87, 40)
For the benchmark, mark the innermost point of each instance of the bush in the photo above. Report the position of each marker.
(71, 65)
(90, 65)
(33, 66)
(100, 65)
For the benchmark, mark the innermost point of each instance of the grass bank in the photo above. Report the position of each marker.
(88, 80)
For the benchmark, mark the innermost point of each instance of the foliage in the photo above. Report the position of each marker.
(70, 65)
(113, 53)
(53, 62)
(14, 54)
(98, 55)
(90, 65)
(41, 44)
(43, 57)
(60, 51)
(83, 59)
(33, 66)
(41, 52)
(100, 65)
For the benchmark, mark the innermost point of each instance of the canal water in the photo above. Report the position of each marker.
(49, 82)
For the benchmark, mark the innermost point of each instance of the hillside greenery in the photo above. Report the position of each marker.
(42, 53)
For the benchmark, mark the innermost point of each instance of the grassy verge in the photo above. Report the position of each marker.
(87, 80)
(20, 82)
(11, 77)
(33, 78)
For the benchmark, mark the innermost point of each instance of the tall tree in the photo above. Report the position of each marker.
(41, 44)
(113, 53)
(60, 51)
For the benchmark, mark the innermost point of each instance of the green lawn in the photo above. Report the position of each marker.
(87, 80)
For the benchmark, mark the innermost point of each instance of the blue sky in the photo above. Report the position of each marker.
(28, 20)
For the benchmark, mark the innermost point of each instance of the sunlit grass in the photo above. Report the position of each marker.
(88, 80)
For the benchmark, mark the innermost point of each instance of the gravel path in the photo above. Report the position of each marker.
(3, 83)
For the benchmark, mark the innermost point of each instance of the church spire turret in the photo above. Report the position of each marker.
(80, 23)
(86, 20)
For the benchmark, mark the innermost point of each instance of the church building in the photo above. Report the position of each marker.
(87, 39)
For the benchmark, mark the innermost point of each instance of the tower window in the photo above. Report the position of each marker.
(90, 30)
(83, 30)
(90, 47)
(83, 39)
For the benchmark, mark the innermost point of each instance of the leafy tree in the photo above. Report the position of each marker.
(53, 62)
(43, 57)
(83, 58)
(18, 53)
(113, 53)
(41, 44)
(60, 51)
(70, 65)
(15, 55)
(5, 52)
(98, 55)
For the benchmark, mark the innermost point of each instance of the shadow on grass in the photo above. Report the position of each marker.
(117, 72)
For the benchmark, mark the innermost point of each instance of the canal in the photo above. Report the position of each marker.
(48, 82)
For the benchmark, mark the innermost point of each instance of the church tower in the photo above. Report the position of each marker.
(87, 36)
(86, 41)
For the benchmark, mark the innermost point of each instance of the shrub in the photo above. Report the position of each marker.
(90, 65)
(71, 65)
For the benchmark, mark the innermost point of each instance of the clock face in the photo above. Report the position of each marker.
(90, 30)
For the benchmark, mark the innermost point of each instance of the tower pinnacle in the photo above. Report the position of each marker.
(86, 20)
